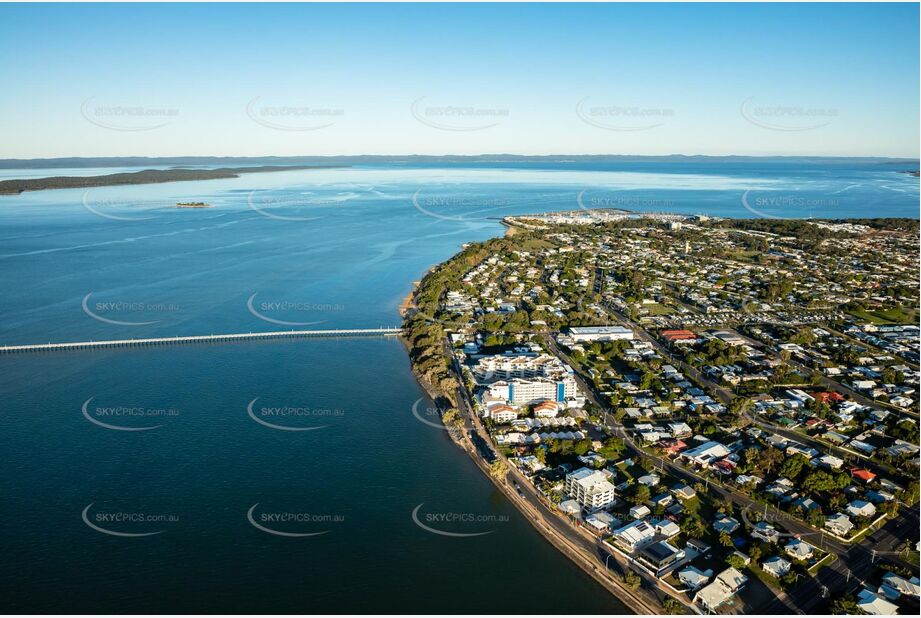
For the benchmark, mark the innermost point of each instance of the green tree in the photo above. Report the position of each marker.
(769, 459)
(694, 527)
(792, 467)
(498, 469)
(844, 605)
(639, 494)
(582, 447)
(671, 606)
(736, 561)
(740, 406)
(632, 580)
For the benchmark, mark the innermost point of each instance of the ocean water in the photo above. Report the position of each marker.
(175, 443)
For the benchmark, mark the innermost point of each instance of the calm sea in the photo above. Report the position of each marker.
(284, 476)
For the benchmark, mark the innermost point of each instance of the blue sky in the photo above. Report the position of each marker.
(284, 79)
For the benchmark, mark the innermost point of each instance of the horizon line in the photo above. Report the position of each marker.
(915, 158)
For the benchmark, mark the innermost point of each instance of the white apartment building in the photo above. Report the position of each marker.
(506, 367)
(590, 488)
(521, 392)
(502, 413)
(600, 333)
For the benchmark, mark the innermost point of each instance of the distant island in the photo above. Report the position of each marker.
(15, 186)
(192, 205)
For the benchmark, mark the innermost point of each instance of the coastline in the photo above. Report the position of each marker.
(438, 323)
(631, 599)
(409, 302)
(625, 596)
(622, 594)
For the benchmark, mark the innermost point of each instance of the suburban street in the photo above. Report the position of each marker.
(854, 561)
(579, 545)
(725, 396)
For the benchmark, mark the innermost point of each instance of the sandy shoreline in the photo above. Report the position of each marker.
(408, 301)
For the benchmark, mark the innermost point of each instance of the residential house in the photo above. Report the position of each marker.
(870, 603)
(765, 531)
(861, 508)
(706, 453)
(799, 549)
(863, 475)
(683, 492)
(908, 587)
(634, 535)
(839, 524)
(640, 511)
(602, 521)
(721, 591)
(776, 566)
(668, 528)
(693, 577)
(660, 556)
(725, 524)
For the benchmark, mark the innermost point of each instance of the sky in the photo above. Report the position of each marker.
(311, 79)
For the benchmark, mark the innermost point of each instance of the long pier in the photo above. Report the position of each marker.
(160, 341)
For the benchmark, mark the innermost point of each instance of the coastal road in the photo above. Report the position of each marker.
(579, 545)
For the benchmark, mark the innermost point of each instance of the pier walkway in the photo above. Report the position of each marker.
(162, 341)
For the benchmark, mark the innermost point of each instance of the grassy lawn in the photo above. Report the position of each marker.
(769, 580)
(867, 531)
(658, 309)
(742, 256)
(623, 468)
(828, 559)
(693, 505)
(535, 244)
(894, 315)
